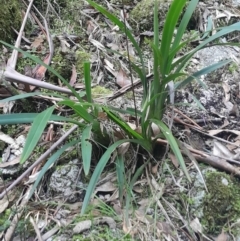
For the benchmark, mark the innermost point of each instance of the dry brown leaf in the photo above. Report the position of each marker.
(10, 163)
(155, 129)
(117, 208)
(144, 202)
(73, 78)
(215, 132)
(90, 27)
(106, 187)
(128, 228)
(102, 116)
(154, 169)
(138, 190)
(40, 72)
(106, 220)
(37, 43)
(233, 147)
(226, 89)
(82, 226)
(142, 217)
(165, 228)
(122, 79)
(3, 204)
(114, 196)
(5, 201)
(221, 150)
(222, 237)
(174, 160)
(123, 148)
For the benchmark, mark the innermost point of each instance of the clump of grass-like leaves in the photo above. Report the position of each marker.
(168, 76)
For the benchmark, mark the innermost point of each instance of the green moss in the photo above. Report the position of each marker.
(70, 18)
(25, 61)
(62, 63)
(100, 91)
(10, 16)
(12, 130)
(81, 57)
(129, 95)
(143, 13)
(4, 222)
(221, 205)
(102, 233)
(233, 67)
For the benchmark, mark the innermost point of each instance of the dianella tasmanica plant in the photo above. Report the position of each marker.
(168, 75)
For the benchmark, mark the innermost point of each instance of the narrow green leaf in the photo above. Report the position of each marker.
(86, 147)
(156, 24)
(203, 71)
(123, 125)
(35, 133)
(225, 30)
(87, 79)
(172, 18)
(120, 176)
(79, 110)
(173, 144)
(50, 161)
(173, 77)
(157, 82)
(23, 118)
(174, 51)
(97, 172)
(99, 168)
(184, 22)
(208, 29)
(21, 96)
(26, 95)
(197, 102)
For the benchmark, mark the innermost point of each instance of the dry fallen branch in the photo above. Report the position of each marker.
(10, 74)
(214, 161)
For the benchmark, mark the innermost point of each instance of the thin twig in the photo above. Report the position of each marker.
(10, 74)
(36, 229)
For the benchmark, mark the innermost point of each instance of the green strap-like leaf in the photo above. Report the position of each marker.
(173, 144)
(203, 71)
(226, 30)
(23, 118)
(26, 95)
(123, 125)
(35, 133)
(87, 79)
(100, 166)
(120, 176)
(168, 31)
(184, 22)
(78, 109)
